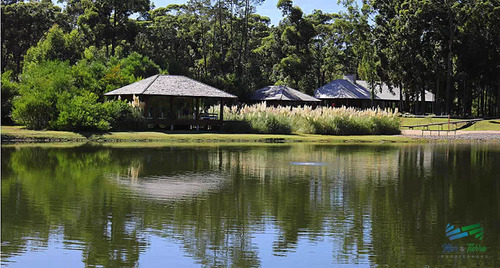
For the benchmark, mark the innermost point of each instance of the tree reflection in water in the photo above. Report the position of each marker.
(382, 204)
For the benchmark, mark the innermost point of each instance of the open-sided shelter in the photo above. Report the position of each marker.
(170, 101)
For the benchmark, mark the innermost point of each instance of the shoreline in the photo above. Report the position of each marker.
(17, 134)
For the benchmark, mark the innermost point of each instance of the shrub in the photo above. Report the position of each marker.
(55, 95)
(322, 120)
(81, 113)
(270, 124)
(40, 87)
(124, 117)
(9, 92)
(35, 111)
(237, 127)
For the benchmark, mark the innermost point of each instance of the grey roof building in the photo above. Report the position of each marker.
(342, 89)
(281, 95)
(349, 88)
(383, 92)
(171, 85)
(358, 93)
(173, 100)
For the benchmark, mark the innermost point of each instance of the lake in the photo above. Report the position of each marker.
(151, 205)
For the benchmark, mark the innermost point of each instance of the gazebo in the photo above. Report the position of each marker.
(170, 101)
(282, 95)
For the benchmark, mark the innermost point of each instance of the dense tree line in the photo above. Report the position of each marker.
(451, 48)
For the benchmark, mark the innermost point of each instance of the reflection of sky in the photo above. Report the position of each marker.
(268, 7)
(318, 252)
(161, 253)
(169, 252)
(55, 253)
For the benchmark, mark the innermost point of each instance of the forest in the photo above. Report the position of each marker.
(58, 59)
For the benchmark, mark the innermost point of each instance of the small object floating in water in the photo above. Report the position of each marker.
(308, 164)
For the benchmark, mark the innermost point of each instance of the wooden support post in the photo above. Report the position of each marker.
(146, 107)
(197, 109)
(171, 115)
(197, 114)
(171, 112)
(221, 112)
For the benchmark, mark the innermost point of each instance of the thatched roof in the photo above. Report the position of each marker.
(281, 93)
(171, 85)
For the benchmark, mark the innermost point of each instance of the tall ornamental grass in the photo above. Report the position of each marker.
(306, 120)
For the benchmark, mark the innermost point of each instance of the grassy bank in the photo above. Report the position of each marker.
(20, 134)
(486, 125)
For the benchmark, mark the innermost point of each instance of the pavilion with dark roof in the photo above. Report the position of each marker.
(282, 95)
(358, 93)
(170, 101)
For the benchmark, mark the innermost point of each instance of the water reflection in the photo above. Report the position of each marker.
(172, 187)
(248, 205)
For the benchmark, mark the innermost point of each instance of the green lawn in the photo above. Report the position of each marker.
(493, 124)
(14, 133)
(18, 133)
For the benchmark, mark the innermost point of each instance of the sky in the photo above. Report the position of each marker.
(268, 8)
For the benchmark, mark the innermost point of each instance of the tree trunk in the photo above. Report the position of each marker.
(204, 47)
(468, 99)
(449, 67)
(401, 102)
(482, 102)
(231, 35)
(113, 37)
(437, 108)
(498, 96)
(372, 97)
(247, 13)
(422, 97)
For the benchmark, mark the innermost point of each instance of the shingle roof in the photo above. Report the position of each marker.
(383, 92)
(344, 89)
(171, 85)
(281, 93)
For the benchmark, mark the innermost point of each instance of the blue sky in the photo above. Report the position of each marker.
(268, 8)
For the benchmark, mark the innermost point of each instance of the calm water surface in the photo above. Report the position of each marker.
(261, 205)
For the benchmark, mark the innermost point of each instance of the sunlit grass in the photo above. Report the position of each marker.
(493, 124)
(14, 133)
(486, 125)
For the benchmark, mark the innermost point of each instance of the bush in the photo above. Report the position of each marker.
(9, 91)
(81, 113)
(237, 127)
(270, 124)
(55, 95)
(124, 117)
(34, 111)
(40, 87)
(322, 120)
